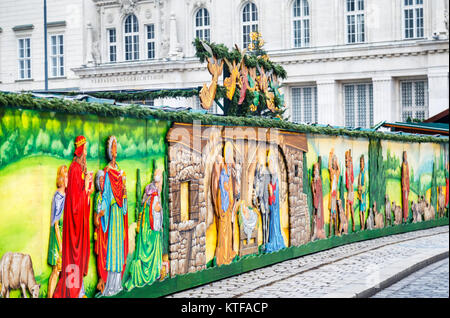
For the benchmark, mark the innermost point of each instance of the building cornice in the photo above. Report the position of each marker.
(24, 27)
(101, 3)
(56, 24)
(140, 67)
(360, 52)
(286, 57)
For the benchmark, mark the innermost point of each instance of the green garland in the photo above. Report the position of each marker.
(252, 59)
(27, 101)
(221, 52)
(145, 95)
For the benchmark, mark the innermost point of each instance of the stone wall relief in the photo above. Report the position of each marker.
(127, 6)
(248, 171)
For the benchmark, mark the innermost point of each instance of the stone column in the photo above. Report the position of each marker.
(174, 45)
(384, 107)
(328, 103)
(438, 87)
(89, 59)
(439, 13)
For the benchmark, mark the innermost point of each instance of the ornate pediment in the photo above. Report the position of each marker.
(128, 6)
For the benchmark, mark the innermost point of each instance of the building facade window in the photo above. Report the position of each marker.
(249, 23)
(57, 55)
(413, 19)
(112, 45)
(24, 58)
(414, 99)
(301, 23)
(358, 105)
(203, 25)
(151, 49)
(355, 24)
(304, 104)
(131, 38)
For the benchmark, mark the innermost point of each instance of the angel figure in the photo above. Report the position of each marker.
(231, 81)
(263, 82)
(275, 86)
(243, 83)
(215, 68)
(253, 87)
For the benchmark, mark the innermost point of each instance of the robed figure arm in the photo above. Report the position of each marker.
(407, 177)
(125, 206)
(107, 197)
(215, 185)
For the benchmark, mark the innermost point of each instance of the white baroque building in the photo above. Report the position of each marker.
(349, 62)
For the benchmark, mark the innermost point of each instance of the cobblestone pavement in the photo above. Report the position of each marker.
(429, 282)
(327, 272)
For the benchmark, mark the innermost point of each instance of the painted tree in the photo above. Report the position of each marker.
(377, 175)
(307, 180)
(138, 193)
(165, 207)
(434, 195)
(341, 192)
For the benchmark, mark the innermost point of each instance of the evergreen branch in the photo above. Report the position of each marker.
(27, 101)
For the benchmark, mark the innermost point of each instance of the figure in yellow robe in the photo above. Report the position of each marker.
(223, 192)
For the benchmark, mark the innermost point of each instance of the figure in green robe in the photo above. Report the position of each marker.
(147, 263)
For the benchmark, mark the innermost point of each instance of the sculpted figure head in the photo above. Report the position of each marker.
(228, 153)
(112, 148)
(158, 179)
(62, 177)
(80, 154)
(271, 161)
(316, 170)
(100, 180)
(348, 158)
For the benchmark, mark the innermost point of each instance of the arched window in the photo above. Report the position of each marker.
(249, 22)
(131, 38)
(301, 23)
(202, 25)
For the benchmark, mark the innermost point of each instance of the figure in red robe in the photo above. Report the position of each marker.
(76, 241)
(349, 179)
(317, 193)
(405, 187)
(100, 234)
(446, 185)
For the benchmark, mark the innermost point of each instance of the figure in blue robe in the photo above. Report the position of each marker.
(276, 241)
(113, 222)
